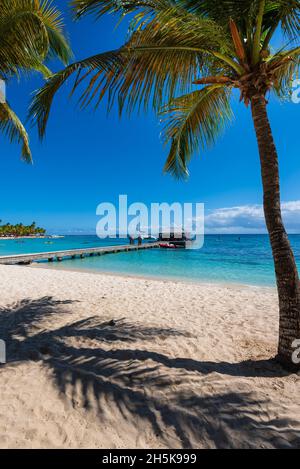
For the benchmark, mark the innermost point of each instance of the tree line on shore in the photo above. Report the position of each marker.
(20, 230)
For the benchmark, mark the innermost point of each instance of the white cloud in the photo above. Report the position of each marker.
(250, 219)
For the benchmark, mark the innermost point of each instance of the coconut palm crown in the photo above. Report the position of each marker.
(31, 32)
(175, 45)
(184, 58)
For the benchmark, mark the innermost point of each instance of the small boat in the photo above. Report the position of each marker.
(167, 246)
(173, 239)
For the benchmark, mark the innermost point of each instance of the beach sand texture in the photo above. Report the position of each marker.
(101, 361)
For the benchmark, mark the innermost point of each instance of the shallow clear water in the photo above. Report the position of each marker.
(243, 259)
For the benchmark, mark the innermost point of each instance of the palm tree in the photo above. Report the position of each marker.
(31, 31)
(184, 58)
(32, 227)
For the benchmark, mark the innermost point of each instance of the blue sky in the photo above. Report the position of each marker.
(88, 158)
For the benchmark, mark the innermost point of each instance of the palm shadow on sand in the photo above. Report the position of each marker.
(143, 384)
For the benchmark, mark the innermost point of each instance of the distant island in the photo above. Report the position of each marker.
(21, 231)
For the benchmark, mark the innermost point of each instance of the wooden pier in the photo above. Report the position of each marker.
(26, 259)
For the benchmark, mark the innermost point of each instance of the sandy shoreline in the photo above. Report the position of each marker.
(111, 361)
(153, 278)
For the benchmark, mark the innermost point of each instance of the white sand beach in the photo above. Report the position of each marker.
(101, 361)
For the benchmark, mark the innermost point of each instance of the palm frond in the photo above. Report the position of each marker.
(275, 61)
(58, 44)
(164, 58)
(101, 7)
(244, 12)
(228, 8)
(22, 39)
(11, 126)
(41, 104)
(285, 13)
(222, 10)
(30, 31)
(285, 68)
(193, 122)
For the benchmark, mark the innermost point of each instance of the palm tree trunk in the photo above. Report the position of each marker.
(284, 260)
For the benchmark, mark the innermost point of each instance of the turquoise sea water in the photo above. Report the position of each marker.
(242, 259)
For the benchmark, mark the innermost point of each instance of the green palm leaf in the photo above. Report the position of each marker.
(101, 7)
(192, 122)
(31, 31)
(13, 128)
(100, 64)
(285, 13)
(285, 71)
(58, 44)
